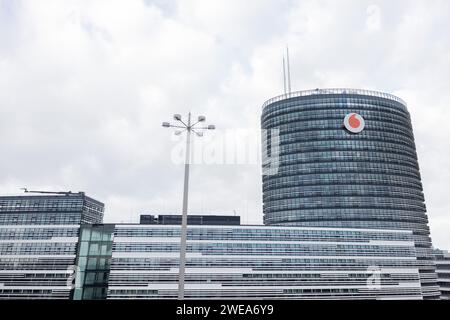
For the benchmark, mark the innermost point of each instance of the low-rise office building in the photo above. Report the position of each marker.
(442, 259)
(261, 262)
(54, 246)
(38, 243)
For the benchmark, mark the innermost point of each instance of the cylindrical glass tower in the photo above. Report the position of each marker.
(346, 158)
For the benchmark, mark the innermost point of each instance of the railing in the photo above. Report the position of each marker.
(305, 93)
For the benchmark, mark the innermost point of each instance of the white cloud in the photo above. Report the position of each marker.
(85, 85)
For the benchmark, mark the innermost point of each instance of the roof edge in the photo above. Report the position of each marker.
(306, 93)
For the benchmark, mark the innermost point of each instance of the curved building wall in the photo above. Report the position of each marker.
(330, 177)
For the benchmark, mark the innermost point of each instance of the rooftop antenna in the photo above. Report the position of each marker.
(288, 70)
(284, 76)
(25, 190)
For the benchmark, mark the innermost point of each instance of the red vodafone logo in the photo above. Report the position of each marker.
(354, 123)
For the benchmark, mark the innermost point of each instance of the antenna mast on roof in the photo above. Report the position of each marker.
(25, 190)
(288, 70)
(284, 76)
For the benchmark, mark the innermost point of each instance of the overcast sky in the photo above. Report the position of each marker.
(85, 85)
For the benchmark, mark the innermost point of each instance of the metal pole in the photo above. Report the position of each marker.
(184, 216)
(288, 70)
(284, 77)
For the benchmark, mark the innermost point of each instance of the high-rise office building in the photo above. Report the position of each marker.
(442, 258)
(346, 158)
(38, 243)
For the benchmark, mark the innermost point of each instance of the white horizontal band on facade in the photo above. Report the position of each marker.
(40, 226)
(261, 227)
(146, 240)
(187, 286)
(120, 296)
(116, 254)
(52, 240)
(391, 243)
(274, 287)
(408, 285)
(134, 240)
(270, 256)
(238, 270)
(25, 287)
(36, 256)
(400, 298)
(36, 271)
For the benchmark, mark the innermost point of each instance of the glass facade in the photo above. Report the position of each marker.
(38, 243)
(330, 177)
(55, 209)
(93, 262)
(262, 262)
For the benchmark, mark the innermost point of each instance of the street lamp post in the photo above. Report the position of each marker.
(189, 128)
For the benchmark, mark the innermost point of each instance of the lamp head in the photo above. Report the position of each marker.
(201, 118)
(211, 127)
(166, 124)
(177, 117)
